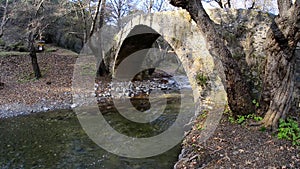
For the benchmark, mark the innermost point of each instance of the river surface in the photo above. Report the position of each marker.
(57, 140)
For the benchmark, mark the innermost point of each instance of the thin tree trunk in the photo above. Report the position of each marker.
(150, 7)
(35, 64)
(220, 3)
(229, 4)
(95, 18)
(1, 84)
(4, 19)
(102, 68)
(85, 29)
(238, 91)
(102, 14)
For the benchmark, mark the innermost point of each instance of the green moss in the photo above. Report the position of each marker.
(2, 42)
(24, 78)
(230, 37)
(50, 49)
(237, 55)
(201, 79)
(5, 54)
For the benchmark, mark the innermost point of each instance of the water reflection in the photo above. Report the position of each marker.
(56, 140)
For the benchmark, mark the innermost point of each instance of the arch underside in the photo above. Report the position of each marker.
(187, 42)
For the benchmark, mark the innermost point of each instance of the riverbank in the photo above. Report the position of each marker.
(23, 94)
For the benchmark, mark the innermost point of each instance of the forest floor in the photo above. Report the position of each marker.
(23, 94)
(231, 145)
(237, 146)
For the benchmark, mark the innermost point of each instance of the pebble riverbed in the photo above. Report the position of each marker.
(103, 91)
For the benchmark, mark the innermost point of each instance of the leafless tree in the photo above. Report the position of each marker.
(221, 3)
(39, 15)
(154, 5)
(119, 9)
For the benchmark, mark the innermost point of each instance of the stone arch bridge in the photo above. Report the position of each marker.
(245, 36)
(246, 31)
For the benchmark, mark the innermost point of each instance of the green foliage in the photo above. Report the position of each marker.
(230, 37)
(24, 78)
(2, 42)
(199, 127)
(289, 130)
(227, 110)
(50, 49)
(241, 118)
(18, 46)
(254, 117)
(12, 53)
(231, 119)
(255, 102)
(204, 114)
(263, 129)
(201, 79)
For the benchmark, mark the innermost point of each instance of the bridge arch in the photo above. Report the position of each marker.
(183, 35)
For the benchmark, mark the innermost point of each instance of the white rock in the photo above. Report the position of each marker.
(73, 106)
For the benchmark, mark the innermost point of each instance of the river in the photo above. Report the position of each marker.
(56, 140)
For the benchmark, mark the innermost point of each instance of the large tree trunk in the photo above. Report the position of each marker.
(32, 54)
(238, 91)
(278, 82)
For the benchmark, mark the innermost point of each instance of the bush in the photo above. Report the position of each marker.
(289, 130)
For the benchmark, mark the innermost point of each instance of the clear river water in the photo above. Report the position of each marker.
(57, 140)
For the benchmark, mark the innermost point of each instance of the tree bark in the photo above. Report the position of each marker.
(94, 19)
(5, 18)
(32, 54)
(238, 91)
(85, 25)
(102, 13)
(278, 82)
(284, 5)
(102, 68)
(220, 3)
(1, 84)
